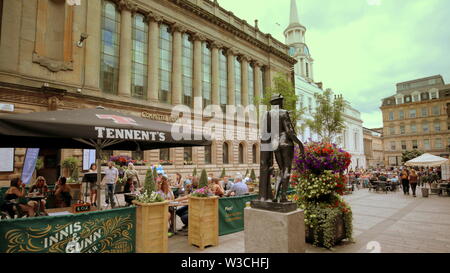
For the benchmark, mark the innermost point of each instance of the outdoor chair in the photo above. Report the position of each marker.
(119, 189)
(373, 186)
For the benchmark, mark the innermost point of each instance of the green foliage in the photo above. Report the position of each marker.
(246, 173)
(203, 179)
(39, 164)
(150, 184)
(408, 155)
(148, 197)
(71, 163)
(286, 89)
(155, 173)
(194, 173)
(253, 175)
(222, 175)
(327, 120)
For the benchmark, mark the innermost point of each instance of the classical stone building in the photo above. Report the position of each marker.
(417, 117)
(373, 148)
(140, 57)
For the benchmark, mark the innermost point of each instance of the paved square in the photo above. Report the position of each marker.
(391, 223)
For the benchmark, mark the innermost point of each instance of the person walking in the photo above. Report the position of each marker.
(132, 173)
(413, 179)
(405, 181)
(111, 178)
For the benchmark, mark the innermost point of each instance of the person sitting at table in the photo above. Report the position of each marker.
(164, 189)
(239, 187)
(216, 188)
(62, 193)
(382, 177)
(177, 185)
(40, 187)
(15, 196)
(133, 174)
(128, 188)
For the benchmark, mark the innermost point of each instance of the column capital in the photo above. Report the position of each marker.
(127, 5)
(177, 27)
(243, 57)
(256, 63)
(199, 37)
(152, 16)
(217, 45)
(232, 51)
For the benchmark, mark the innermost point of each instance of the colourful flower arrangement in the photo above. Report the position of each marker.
(312, 186)
(322, 156)
(202, 192)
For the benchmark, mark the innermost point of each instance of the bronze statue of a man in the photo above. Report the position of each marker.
(278, 138)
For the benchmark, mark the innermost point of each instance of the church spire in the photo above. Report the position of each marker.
(293, 18)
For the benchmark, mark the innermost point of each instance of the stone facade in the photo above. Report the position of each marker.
(373, 148)
(47, 63)
(417, 117)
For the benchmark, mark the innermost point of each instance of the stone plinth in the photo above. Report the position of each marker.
(274, 232)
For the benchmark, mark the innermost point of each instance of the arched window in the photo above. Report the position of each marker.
(140, 49)
(223, 85)
(188, 66)
(225, 153)
(165, 64)
(254, 153)
(206, 72)
(237, 81)
(251, 85)
(262, 82)
(109, 66)
(241, 153)
(208, 154)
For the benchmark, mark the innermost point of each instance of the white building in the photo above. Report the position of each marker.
(305, 87)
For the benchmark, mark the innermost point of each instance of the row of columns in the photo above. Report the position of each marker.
(125, 62)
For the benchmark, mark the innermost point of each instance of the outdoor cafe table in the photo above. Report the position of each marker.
(38, 199)
(174, 205)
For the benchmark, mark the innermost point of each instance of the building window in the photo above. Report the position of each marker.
(438, 143)
(251, 85)
(403, 145)
(415, 144)
(225, 153)
(424, 112)
(188, 66)
(402, 129)
(137, 155)
(393, 148)
(416, 98)
(237, 81)
(391, 115)
(139, 67)
(356, 141)
(263, 82)
(436, 110)
(401, 115)
(437, 126)
(412, 113)
(413, 128)
(208, 154)
(433, 95)
(407, 99)
(307, 70)
(223, 86)
(426, 144)
(109, 67)
(254, 153)
(165, 64)
(206, 72)
(241, 153)
(425, 127)
(399, 100)
(392, 130)
(187, 156)
(164, 155)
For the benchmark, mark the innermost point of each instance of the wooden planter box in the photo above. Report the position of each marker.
(151, 227)
(203, 221)
(339, 232)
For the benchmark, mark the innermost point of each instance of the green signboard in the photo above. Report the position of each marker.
(111, 231)
(231, 213)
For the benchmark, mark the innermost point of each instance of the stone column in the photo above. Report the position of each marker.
(177, 30)
(267, 77)
(93, 44)
(198, 87)
(244, 86)
(257, 79)
(125, 48)
(231, 84)
(153, 56)
(215, 75)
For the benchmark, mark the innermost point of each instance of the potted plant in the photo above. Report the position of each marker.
(320, 183)
(71, 166)
(203, 218)
(152, 213)
(194, 173)
(222, 175)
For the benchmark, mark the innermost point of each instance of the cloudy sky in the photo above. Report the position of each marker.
(362, 48)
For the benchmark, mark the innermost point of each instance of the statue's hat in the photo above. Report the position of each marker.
(276, 97)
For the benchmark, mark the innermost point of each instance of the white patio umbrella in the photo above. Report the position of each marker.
(427, 160)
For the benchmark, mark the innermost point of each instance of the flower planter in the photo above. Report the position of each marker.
(203, 221)
(151, 227)
(339, 232)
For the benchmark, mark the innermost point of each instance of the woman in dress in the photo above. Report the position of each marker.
(16, 195)
(93, 185)
(62, 193)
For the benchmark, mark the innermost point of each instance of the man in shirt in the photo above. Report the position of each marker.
(239, 187)
(111, 178)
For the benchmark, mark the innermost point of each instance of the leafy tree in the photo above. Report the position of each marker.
(246, 173)
(71, 163)
(222, 175)
(150, 184)
(286, 89)
(203, 179)
(408, 155)
(253, 175)
(155, 172)
(194, 173)
(328, 120)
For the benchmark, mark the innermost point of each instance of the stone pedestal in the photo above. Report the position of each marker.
(274, 232)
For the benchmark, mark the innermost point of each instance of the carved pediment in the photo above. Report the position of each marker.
(52, 65)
